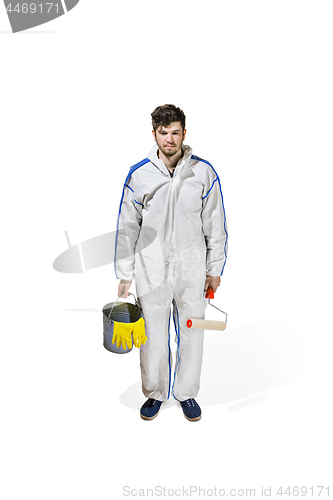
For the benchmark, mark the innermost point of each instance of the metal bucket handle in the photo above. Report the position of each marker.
(136, 302)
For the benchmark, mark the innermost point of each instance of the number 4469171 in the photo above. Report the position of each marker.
(304, 491)
(32, 8)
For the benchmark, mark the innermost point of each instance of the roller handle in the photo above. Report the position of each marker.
(209, 293)
(208, 324)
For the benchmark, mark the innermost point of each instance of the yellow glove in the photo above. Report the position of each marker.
(122, 334)
(139, 336)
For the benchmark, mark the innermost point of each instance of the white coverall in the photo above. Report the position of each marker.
(171, 233)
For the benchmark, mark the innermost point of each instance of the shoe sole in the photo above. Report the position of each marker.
(192, 419)
(149, 418)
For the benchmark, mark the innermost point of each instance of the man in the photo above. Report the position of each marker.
(172, 237)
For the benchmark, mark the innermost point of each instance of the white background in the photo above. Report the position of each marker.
(255, 81)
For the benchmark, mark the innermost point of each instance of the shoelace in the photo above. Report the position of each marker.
(191, 402)
(151, 402)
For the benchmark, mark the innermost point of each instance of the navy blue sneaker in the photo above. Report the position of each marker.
(191, 409)
(150, 409)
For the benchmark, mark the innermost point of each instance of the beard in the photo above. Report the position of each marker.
(169, 151)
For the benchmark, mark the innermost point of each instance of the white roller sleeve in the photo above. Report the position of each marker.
(205, 324)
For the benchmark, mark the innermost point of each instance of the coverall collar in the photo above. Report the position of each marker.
(182, 164)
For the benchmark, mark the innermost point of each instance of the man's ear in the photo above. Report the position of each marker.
(154, 135)
(184, 133)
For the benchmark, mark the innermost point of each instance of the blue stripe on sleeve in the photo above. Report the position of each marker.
(209, 189)
(135, 167)
(133, 193)
(131, 170)
(194, 157)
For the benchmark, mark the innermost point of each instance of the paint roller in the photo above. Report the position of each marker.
(205, 324)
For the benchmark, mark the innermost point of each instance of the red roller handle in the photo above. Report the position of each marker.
(209, 293)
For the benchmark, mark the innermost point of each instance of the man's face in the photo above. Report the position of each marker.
(170, 139)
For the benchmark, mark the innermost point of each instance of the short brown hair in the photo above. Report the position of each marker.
(166, 114)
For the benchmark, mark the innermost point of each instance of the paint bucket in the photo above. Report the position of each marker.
(122, 312)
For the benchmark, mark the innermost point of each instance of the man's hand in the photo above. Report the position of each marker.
(123, 288)
(213, 282)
